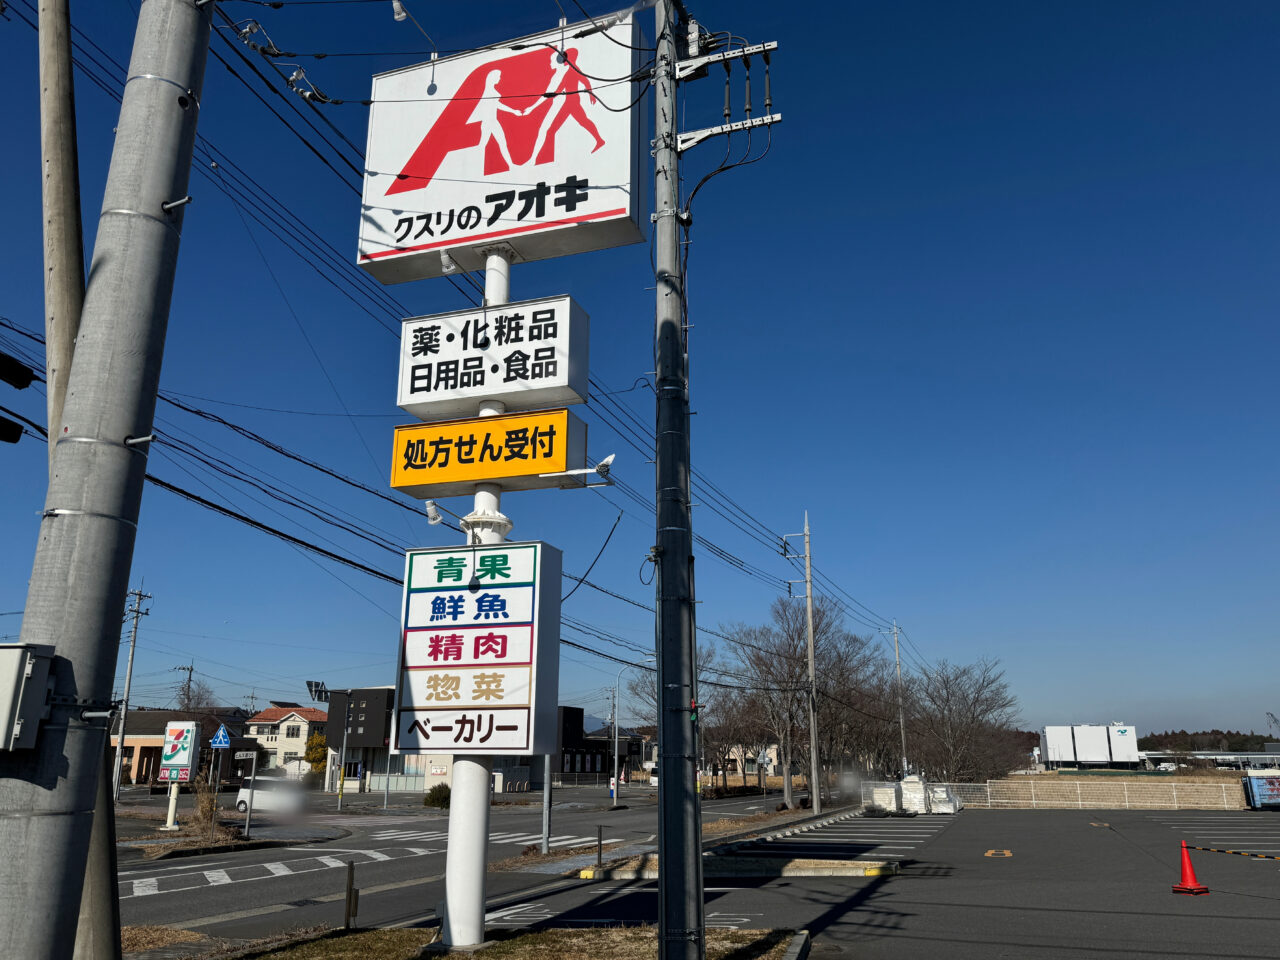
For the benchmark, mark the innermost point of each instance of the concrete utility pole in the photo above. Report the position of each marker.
(465, 865)
(815, 764)
(681, 922)
(97, 934)
(137, 613)
(60, 196)
(80, 576)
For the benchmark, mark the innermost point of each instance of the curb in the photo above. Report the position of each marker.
(799, 826)
(798, 948)
(225, 847)
(757, 867)
(719, 844)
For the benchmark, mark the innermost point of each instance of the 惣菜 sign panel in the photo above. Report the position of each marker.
(479, 661)
(447, 459)
(529, 355)
(518, 144)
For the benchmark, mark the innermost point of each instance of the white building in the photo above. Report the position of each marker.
(283, 729)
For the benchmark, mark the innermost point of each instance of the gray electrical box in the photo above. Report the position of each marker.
(24, 693)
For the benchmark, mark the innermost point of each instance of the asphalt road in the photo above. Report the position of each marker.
(399, 857)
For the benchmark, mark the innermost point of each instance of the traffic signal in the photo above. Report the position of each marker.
(16, 374)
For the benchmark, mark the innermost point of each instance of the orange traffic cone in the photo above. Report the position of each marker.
(1189, 886)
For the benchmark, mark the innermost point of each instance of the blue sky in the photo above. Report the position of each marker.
(997, 309)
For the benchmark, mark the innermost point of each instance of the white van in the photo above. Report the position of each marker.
(272, 795)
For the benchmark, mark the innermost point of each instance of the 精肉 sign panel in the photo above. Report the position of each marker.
(479, 661)
(529, 355)
(447, 459)
(533, 144)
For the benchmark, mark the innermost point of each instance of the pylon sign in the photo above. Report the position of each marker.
(516, 144)
(479, 661)
(178, 755)
(529, 355)
(432, 460)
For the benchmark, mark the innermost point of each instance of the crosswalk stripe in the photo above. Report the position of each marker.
(143, 888)
(216, 877)
(278, 869)
(332, 861)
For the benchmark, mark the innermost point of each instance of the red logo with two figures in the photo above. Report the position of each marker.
(511, 109)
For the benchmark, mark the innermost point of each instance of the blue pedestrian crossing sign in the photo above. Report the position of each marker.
(221, 739)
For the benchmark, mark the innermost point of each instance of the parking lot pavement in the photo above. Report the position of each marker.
(1255, 831)
(1025, 884)
(854, 838)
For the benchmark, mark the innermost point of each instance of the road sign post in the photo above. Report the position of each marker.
(253, 781)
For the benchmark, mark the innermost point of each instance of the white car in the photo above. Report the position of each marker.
(272, 795)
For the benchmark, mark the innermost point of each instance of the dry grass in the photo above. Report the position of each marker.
(615, 943)
(764, 820)
(137, 939)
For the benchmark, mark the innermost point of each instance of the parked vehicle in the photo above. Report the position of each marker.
(653, 777)
(272, 795)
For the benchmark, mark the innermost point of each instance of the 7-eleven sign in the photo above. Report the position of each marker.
(179, 753)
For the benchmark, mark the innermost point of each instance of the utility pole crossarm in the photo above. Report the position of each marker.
(686, 68)
(694, 137)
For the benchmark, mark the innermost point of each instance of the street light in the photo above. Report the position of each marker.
(617, 786)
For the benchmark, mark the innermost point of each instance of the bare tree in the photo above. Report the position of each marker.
(642, 687)
(195, 696)
(963, 721)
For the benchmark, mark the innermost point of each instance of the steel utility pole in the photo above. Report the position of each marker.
(902, 721)
(80, 575)
(137, 613)
(681, 922)
(815, 765)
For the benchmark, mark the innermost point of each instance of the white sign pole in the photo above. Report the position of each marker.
(171, 822)
(464, 882)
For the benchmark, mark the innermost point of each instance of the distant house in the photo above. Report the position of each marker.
(283, 728)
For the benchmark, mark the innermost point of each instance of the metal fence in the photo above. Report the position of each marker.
(1050, 794)
(400, 783)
